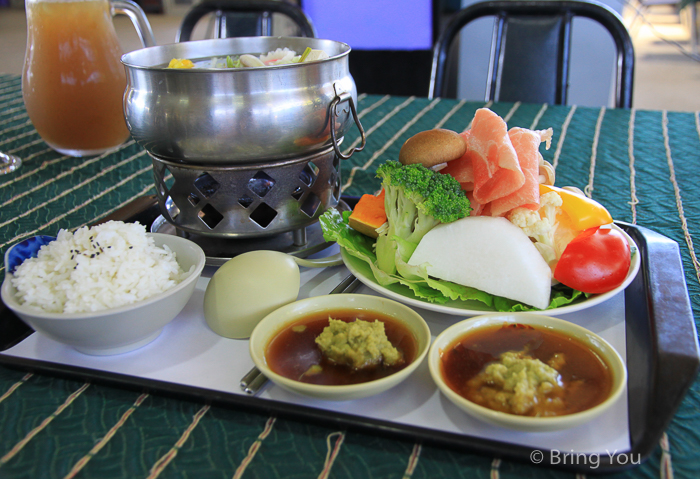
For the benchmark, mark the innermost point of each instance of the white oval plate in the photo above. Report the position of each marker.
(402, 293)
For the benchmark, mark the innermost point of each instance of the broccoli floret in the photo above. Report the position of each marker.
(417, 199)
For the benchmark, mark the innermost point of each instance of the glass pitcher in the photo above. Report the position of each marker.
(73, 81)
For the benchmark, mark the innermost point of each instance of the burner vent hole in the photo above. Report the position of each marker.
(168, 178)
(163, 179)
(309, 173)
(245, 201)
(210, 216)
(161, 188)
(171, 208)
(311, 204)
(297, 194)
(336, 191)
(261, 184)
(263, 215)
(206, 185)
(193, 199)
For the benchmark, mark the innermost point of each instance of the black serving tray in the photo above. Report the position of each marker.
(662, 359)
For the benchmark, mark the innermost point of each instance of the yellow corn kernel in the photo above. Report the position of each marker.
(180, 63)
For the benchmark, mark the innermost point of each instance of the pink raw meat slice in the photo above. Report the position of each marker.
(497, 171)
(477, 208)
(461, 168)
(527, 145)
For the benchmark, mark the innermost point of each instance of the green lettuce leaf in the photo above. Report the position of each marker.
(336, 228)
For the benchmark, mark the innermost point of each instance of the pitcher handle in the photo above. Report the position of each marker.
(138, 18)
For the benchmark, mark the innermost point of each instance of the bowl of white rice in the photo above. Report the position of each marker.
(107, 289)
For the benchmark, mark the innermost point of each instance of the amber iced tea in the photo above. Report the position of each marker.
(73, 80)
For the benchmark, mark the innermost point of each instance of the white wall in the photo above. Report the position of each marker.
(591, 78)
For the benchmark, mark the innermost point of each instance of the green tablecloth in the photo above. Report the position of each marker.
(643, 165)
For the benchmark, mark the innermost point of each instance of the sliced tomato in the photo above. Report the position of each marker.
(596, 261)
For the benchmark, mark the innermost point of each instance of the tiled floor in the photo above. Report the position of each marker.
(665, 77)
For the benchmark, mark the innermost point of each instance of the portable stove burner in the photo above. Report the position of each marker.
(302, 242)
(238, 201)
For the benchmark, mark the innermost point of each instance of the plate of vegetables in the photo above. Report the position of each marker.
(472, 222)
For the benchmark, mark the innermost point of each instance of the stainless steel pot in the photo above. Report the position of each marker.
(248, 115)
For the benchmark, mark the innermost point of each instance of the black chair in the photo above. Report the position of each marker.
(238, 18)
(530, 49)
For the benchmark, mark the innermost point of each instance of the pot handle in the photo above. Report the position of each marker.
(340, 98)
(138, 18)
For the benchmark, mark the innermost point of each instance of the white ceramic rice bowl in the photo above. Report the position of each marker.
(274, 322)
(122, 329)
(527, 423)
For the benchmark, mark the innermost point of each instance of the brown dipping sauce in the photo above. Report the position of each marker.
(291, 354)
(586, 376)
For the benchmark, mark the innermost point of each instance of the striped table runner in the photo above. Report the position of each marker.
(642, 165)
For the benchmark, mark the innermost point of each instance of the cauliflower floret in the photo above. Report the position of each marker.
(541, 225)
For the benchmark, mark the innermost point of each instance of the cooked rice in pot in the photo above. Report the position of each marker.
(105, 266)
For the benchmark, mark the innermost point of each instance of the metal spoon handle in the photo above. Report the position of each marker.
(335, 260)
(254, 380)
(348, 285)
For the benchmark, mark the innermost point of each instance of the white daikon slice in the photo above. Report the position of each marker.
(490, 254)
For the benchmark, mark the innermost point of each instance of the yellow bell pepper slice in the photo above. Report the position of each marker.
(583, 212)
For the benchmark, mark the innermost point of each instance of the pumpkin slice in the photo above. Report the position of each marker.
(368, 215)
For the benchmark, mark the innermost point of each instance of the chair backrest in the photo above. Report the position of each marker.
(235, 18)
(530, 50)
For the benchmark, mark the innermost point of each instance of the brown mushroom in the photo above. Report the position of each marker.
(546, 173)
(432, 147)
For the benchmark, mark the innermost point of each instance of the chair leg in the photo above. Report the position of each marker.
(693, 28)
(266, 24)
(220, 25)
(639, 11)
(633, 24)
